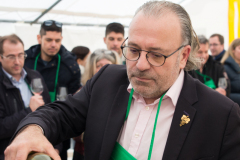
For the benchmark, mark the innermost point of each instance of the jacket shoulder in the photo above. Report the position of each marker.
(31, 74)
(69, 60)
(33, 51)
(111, 74)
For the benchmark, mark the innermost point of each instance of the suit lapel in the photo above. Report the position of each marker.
(115, 122)
(177, 135)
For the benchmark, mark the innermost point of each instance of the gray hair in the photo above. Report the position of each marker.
(189, 37)
(96, 56)
(202, 39)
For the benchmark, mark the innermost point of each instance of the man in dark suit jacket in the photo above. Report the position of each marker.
(161, 44)
(16, 98)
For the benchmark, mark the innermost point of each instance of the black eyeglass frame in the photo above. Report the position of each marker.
(165, 57)
(50, 23)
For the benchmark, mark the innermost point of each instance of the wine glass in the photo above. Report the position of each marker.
(36, 86)
(222, 83)
(62, 94)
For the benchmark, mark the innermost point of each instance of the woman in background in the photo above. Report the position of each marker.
(97, 60)
(94, 63)
(82, 53)
(231, 61)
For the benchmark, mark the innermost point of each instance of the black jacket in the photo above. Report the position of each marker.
(99, 109)
(12, 109)
(233, 71)
(215, 70)
(69, 73)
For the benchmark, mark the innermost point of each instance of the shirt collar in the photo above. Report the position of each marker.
(23, 75)
(173, 92)
(219, 56)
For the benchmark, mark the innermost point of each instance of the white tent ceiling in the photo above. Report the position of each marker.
(75, 12)
(82, 18)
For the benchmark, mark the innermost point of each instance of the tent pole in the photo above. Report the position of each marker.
(46, 11)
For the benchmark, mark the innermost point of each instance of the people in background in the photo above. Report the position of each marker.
(211, 71)
(231, 61)
(57, 66)
(16, 98)
(97, 60)
(150, 108)
(81, 53)
(216, 45)
(114, 37)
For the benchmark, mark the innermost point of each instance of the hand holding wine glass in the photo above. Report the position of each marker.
(37, 86)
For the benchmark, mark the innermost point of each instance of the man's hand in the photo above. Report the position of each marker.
(35, 102)
(221, 91)
(30, 139)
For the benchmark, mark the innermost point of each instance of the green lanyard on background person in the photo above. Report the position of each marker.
(119, 152)
(52, 94)
(210, 83)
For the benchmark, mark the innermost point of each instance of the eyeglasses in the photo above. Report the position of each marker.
(50, 22)
(154, 58)
(13, 58)
(214, 45)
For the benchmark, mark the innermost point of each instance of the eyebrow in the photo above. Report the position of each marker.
(14, 55)
(150, 48)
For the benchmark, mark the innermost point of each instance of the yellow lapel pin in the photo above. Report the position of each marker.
(184, 120)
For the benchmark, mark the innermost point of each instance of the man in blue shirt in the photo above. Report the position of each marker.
(216, 45)
(16, 98)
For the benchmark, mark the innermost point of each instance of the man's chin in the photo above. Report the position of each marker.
(51, 54)
(117, 50)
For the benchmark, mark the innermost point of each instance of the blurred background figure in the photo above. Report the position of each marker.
(16, 96)
(81, 53)
(114, 37)
(95, 62)
(216, 44)
(231, 61)
(55, 63)
(211, 71)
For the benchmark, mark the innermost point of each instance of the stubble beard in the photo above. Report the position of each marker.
(159, 83)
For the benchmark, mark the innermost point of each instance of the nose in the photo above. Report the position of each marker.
(17, 61)
(115, 42)
(142, 62)
(53, 43)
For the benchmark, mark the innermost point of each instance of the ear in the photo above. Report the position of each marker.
(39, 39)
(184, 56)
(104, 39)
(0, 58)
(79, 61)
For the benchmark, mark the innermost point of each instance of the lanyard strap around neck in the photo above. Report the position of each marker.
(58, 67)
(203, 75)
(155, 123)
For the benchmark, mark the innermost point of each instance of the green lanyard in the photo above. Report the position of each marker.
(52, 94)
(210, 83)
(155, 123)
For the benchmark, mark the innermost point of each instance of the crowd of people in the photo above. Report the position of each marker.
(114, 95)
